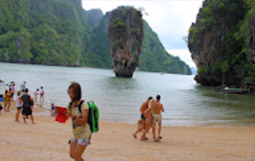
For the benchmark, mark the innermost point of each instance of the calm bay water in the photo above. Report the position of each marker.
(119, 99)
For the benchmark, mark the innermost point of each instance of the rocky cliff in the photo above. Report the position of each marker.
(251, 39)
(126, 35)
(218, 42)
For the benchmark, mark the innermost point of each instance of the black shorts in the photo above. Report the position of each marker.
(142, 117)
(26, 111)
(18, 108)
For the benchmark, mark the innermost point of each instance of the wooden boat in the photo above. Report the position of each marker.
(233, 90)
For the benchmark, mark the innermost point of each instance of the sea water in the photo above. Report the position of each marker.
(119, 99)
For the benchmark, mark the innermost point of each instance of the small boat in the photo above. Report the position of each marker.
(233, 90)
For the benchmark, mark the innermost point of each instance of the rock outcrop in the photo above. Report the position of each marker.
(126, 35)
(217, 41)
(251, 39)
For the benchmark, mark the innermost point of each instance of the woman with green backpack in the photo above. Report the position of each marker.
(81, 129)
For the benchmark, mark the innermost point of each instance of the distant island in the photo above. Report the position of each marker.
(62, 33)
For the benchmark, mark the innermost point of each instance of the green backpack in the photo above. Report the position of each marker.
(93, 115)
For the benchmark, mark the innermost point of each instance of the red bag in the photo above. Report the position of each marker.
(61, 117)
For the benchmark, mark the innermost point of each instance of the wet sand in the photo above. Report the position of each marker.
(47, 140)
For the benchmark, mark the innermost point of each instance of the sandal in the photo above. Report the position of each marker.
(143, 139)
(156, 140)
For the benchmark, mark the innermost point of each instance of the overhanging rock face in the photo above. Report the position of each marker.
(126, 35)
(251, 39)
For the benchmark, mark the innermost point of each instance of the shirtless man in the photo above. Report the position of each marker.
(143, 108)
(153, 115)
(157, 117)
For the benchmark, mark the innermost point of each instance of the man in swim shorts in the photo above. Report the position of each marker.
(157, 117)
(27, 107)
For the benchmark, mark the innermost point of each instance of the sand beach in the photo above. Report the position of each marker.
(47, 140)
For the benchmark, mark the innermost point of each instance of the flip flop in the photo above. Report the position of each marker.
(134, 136)
(160, 137)
(156, 141)
(144, 139)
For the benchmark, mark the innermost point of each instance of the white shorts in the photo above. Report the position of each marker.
(156, 117)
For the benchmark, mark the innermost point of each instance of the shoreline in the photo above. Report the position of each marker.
(45, 112)
(47, 140)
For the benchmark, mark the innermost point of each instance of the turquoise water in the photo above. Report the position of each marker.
(186, 103)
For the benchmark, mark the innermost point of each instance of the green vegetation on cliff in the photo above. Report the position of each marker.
(153, 52)
(221, 33)
(42, 31)
(60, 32)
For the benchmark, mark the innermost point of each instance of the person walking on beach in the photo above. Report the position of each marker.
(27, 107)
(143, 108)
(7, 100)
(81, 129)
(149, 121)
(42, 94)
(157, 117)
(18, 106)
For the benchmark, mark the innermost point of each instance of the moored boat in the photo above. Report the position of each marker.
(233, 90)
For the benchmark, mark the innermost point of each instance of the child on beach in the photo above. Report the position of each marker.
(81, 129)
(12, 90)
(53, 111)
(18, 105)
(36, 94)
(42, 94)
(7, 101)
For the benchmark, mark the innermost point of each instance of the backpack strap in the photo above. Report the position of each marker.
(79, 106)
(70, 106)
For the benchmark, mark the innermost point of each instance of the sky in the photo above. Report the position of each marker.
(170, 19)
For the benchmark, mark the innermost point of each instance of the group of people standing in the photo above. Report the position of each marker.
(8, 97)
(150, 118)
(41, 93)
(24, 102)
